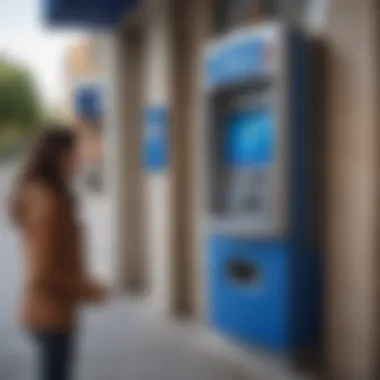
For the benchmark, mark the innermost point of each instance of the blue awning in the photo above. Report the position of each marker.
(88, 102)
(86, 13)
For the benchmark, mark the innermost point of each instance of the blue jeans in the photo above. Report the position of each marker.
(55, 354)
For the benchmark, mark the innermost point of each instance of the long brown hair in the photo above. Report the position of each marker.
(44, 162)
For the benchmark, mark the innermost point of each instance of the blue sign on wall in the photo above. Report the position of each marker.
(250, 138)
(88, 102)
(156, 149)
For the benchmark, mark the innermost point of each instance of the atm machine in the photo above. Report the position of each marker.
(263, 263)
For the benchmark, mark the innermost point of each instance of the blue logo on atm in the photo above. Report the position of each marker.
(250, 138)
(236, 61)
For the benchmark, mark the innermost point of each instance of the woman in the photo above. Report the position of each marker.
(56, 281)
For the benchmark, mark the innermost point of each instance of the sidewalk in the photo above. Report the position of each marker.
(124, 341)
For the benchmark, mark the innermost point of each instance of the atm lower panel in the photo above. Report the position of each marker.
(256, 294)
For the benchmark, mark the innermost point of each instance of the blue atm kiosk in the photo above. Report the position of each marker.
(264, 268)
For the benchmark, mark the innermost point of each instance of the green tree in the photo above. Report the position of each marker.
(20, 107)
(19, 99)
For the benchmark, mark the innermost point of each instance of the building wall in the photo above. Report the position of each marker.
(188, 243)
(350, 309)
(123, 71)
(352, 283)
(83, 66)
(82, 59)
(114, 147)
(157, 184)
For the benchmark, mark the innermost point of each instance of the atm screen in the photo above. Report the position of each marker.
(249, 152)
(249, 139)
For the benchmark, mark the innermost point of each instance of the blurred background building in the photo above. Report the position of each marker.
(184, 86)
(83, 81)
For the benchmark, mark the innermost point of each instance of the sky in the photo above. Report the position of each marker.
(24, 37)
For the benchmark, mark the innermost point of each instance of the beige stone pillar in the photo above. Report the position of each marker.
(122, 66)
(190, 28)
(156, 184)
(110, 50)
(352, 191)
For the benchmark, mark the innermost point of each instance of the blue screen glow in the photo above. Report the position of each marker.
(250, 138)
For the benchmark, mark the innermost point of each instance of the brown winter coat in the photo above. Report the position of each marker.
(55, 277)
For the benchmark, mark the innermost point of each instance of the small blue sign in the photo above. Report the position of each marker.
(88, 102)
(250, 138)
(156, 139)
